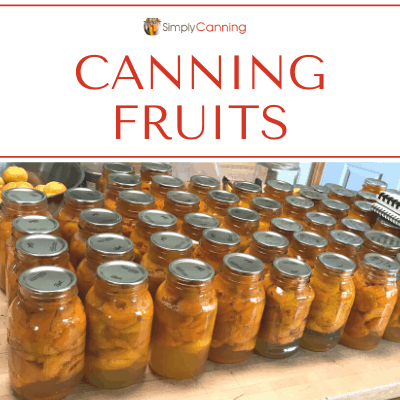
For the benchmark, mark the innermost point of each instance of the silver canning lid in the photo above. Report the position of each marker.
(292, 267)
(344, 192)
(247, 186)
(266, 203)
(376, 182)
(47, 279)
(243, 214)
(124, 273)
(224, 196)
(387, 223)
(321, 218)
(124, 180)
(84, 195)
(118, 167)
(155, 167)
(201, 221)
(363, 205)
(310, 239)
(287, 224)
(384, 239)
(110, 243)
(312, 194)
(381, 262)
(181, 197)
(355, 224)
(335, 204)
(191, 270)
(368, 196)
(205, 181)
(172, 241)
(280, 185)
(39, 245)
(300, 202)
(337, 262)
(136, 197)
(31, 224)
(221, 236)
(345, 237)
(24, 196)
(100, 217)
(393, 191)
(243, 263)
(271, 239)
(157, 218)
(332, 186)
(167, 181)
(321, 189)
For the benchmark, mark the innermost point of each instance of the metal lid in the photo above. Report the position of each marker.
(172, 241)
(287, 224)
(247, 186)
(124, 273)
(167, 181)
(110, 243)
(136, 197)
(292, 267)
(321, 218)
(47, 279)
(83, 195)
(119, 167)
(331, 186)
(124, 180)
(381, 262)
(205, 181)
(271, 239)
(337, 262)
(191, 270)
(155, 167)
(345, 237)
(243, 263)
(201, 221)
(221, 236)
(376, 182)
(157, 218)
(384, 239)
(355, 224)
(280, 185)
(40, 245)
(181, 197)
(393, 191)
(31, 224)
(100, 217)
(224, 196)
(344, 192)
(300, 202)
(335, 204)
(312, 194)
(369, 196)
(310, 239)
(387, 223)
(243, 214)
(267, 203)
(321, 189)
(24, 196)
(363, 205)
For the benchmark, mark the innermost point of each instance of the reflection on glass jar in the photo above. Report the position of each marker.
(344, 242)
(374, 186)
(285, 226)
(336, 208)
(296, 207)
(319, 222)
(150, 169)
(116, 183)
(180, 203)
(278, 190)
(362, 210)
(354, 225)
(381, 243)
(200, 185)
(194, 225)
(268, 209)
(161, 185)
(382, 224)
(342, 194)
(218, 202)
(246, 191)
(109, 168)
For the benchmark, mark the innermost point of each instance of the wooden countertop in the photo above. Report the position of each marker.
(341, 373)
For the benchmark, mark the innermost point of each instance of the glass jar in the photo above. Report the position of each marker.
(46, 335)
(382, 224)
(129, 204)
(194, 225)
(278, 190)
(346, 243)
(92, 221)
(334, 291)
(376, 295)
(15, 203)
(164, 248)
(313, 195)
(362, 210)
(218, 201)
(161, 185)
(150, 169)
(101, 248)
(374, 186)
(246, 191)
(392, 331)
(119, 312)
(343, 194)
(296, 208)
(241, 300)
(149, 222)
(214, 244)
(336, 208)
(75, 201)
(116, 183)
(185, 308)
(287, 303)
(353, 225)
(321, 189)
(200, 185)
(286, 227)
(268, 209)
(366, 196)
(319, 222)
(381, 243)
(109, 168)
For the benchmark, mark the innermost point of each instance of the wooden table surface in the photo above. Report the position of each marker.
(341, 373)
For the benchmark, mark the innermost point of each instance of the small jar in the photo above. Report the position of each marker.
(319, 222)
(336, 208)
(46, 335)
(101, 248)
(286, 227)
(129, 204)
(214, 244)
(194, 225)
(382, 224)
(161, 185)
(75, 201)
(374, 186)
(200, 185)
(366, 196)
(180, 203)
(268, 209)
(362, 210)
(278, 190)
(119, 312)
(381, 243)
(241, 300)
(150, 169)
(392, 331)
(287, 303)
(116, 183)
(343, 194)
(353, 225)
(149, 222)
(218, 201)
(321, 189)
(164, 248)
(246, 191)
(185, 308)
(376, 296)
(244, 222)
(346, 243)
(109, 168)
(296, 208)
(313, 195)
(92, 221)
(334, 291)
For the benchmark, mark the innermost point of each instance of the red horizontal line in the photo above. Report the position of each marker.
(250, 157)
(199, 5)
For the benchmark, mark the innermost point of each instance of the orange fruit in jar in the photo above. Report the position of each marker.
(40, 187)
(1, 183)
(53, 188)
(15, 174)
(13, 185)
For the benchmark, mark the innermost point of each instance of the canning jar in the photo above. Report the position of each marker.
(392, 331)
(287, 303)
(92, 221)
(109, 168)
(334, 291)
(268, 209)
(218, 201)
(353, 225)
(374, 185)
(296, 208)
(116, 183)
(313, 195)
(150, 169)
(343, 194)
(185, 308)
(75, 201)
(149, 222)
(119, 312)
(101, 248)
(285, 226)
(200, 185)
(161, 185)
(214, 244)
(278, 190)
(180, 203)
(321, 189)
(336, 208)
(246, 191)
(244, 222)
(15, 203)
(241, 300)
(344, 242)
(366, 196)
(46, 335)
(194, 225)
(381, 243)
(129, 203)
(319, 222)
(362, 210)
(164, 248)
(376, 295)
(382, 224)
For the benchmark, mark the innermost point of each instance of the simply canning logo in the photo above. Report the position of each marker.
(152, 26)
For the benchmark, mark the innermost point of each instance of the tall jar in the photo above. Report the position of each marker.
(366, 196)
(321, 189)
(116, 183)
(200, 185)
(218, 201)
(180, 203)
(246, 191)
(268, 209)
(362, 210)
(374, 186)
(278, 190)
(286, 227)
(244, 222)
(376, 295)
(313, 195)
(319, 222)
(382, 224)
(241, 300)
(194, 224)
(150, 169)
(214, 244)
(346, 243)
(161, 185)
(109, 168)
(15, 203)
(343, 194)
(185, 308)
(354, 225)
(75, 201)
(149, 222)
(164, 248)
(334, 291)
(381, 243)
(287, 303)
(336, 208)
(129, 204)
(119, 312)
(296, 208)
(46, 335)
(392, 331)
(92, 221)
(101, 248)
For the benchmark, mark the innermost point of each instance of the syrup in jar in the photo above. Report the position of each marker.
(374, 186)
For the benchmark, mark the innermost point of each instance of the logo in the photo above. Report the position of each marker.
(152, 26)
